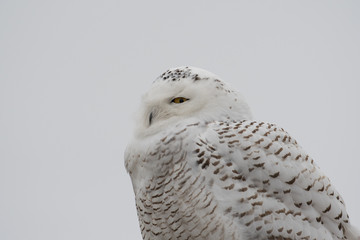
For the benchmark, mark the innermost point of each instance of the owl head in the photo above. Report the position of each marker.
(188, 94)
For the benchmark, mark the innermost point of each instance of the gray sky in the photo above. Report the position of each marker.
(72, 73)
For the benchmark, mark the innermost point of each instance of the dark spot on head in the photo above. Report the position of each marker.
(197, 78)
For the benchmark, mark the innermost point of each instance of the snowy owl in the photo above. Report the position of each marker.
(201, 168)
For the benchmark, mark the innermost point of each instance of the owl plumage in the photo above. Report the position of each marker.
(201, 168)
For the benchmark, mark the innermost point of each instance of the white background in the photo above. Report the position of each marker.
(72, 73)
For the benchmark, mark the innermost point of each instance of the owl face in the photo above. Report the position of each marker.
(185, 93)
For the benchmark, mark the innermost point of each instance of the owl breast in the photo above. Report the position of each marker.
(176, 201)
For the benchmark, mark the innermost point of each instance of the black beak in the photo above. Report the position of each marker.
(150, 118)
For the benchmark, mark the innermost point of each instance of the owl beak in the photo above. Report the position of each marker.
(150, 118)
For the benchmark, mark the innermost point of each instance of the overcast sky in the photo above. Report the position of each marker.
(72, 73)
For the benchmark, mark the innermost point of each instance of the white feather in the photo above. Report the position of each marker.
(203, 170)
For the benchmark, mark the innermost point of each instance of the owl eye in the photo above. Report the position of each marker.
(179, 100)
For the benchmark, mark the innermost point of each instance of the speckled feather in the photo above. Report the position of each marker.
(226, 178)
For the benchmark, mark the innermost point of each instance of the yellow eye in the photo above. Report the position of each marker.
(179, 100)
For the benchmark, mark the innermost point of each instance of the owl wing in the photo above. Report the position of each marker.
(265, 181)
